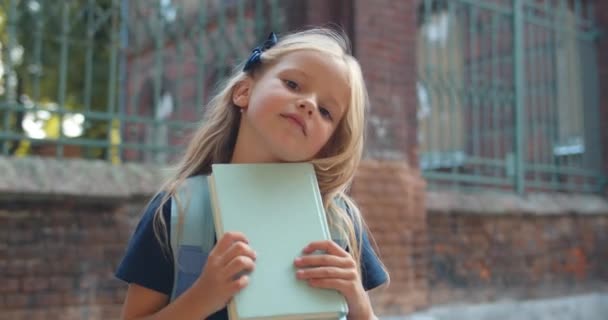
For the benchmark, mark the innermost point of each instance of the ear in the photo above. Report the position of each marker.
(242, 92)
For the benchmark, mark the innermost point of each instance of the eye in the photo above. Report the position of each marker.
(325, 113)
(291, 84)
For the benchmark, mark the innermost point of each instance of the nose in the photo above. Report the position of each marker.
(307, 105)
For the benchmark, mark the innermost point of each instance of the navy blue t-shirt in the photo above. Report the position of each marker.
(146, 264)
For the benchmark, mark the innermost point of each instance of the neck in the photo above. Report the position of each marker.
(248, 150)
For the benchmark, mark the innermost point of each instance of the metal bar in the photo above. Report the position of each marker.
(112, 77)
(469, 178)
(495, 138)
(452, 81)
(179, 39)
(275, 15)
(122, 67)
(427, 82)
(488, 5)
(90, 142)
(563, 170)
(157, 74)
(37, 58)
(259, 19)
(95, 115)
(583, 35)
(88, 71)
(593, 108)
(520, 148)
(63, 63)
(532, 64)
(474, 39)
(221, 44)
(8, 65)
(200, 57)
(568, 187)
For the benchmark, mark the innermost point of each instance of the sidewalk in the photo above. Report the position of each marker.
(581, 307)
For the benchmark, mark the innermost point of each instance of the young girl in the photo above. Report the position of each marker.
(300, 99)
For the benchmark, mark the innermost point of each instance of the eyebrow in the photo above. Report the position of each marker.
(332, 99)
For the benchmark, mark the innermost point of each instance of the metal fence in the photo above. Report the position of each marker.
(507, 88)
(508, 95)
(115, 79)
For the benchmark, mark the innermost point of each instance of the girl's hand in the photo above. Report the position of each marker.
(336, 269)
(222, 275)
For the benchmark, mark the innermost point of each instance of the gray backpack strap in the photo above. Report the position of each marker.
(335, 230)
(193, 239)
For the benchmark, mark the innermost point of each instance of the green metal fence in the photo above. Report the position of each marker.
(508, 95)
(116, 79)
(507, 88)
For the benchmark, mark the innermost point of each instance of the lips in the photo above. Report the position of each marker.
(296, 119)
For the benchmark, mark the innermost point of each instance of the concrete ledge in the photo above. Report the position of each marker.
(494, 203)
(92, 180)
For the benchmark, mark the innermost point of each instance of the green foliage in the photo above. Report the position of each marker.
(69, 41)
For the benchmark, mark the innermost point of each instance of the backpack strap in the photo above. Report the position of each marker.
(334, 230)
(192, 236)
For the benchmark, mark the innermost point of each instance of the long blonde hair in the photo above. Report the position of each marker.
(335, 165)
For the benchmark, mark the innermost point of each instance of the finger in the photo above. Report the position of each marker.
(327, 246)
(237, 249)
(326, 273)
(239, 266)
(337, 284)
(226, 241)
(239, 284)
(316, 260)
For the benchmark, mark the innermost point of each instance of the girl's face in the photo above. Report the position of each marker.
(291, 110)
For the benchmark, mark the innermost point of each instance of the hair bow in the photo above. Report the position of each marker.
(256, 53)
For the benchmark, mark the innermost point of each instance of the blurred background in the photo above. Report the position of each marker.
(484, 181)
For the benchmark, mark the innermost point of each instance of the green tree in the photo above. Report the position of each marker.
(66, 48)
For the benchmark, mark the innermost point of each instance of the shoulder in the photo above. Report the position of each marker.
(373, 273)
(146, 262)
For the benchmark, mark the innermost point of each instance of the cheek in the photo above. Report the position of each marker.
(323, 135)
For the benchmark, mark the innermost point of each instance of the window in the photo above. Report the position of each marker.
(440, 67)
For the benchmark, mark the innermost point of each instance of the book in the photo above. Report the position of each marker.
(280, 210)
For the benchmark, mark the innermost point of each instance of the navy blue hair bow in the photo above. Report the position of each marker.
(254, 58)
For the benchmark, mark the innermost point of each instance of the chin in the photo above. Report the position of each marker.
(292, 157)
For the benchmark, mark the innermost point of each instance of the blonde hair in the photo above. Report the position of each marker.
(335, 165)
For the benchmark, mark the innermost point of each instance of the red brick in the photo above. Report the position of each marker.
(9, 285)
(62, 284)
(16, 300)
(31, 284)
(53, 299)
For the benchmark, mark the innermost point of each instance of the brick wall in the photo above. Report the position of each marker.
(59, 245)
(391, 199)
(58, 257)
(64, 225)
(385, 37)
(487, 248)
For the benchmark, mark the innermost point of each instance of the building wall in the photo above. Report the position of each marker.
(385, 38)
(485, 248)
(59, 257)
(391, 198)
